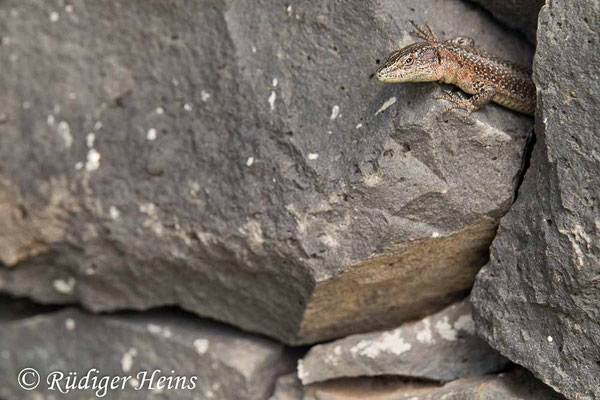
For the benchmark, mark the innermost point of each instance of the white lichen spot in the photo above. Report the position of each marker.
(201, 346)
(386, 105)
(159, 110)
(98, 126)
(114, 212)
(70, 324)
(275, 82)
(388, 342)
(312, 156)
(204, 95)
(289, 10)
(445, 330)
(577, 237)
(159, 330)
(187, 107)
(151, 134)
(425, 335)
(64, 286)
(253, 231)
(302, 374)
(50, 119)
(550, 339)
(465, 323)
(175, 82)
(148, 208)
(90, 139)
(250, 161)
(93, 160)
(580, 237)
(78, 165)
(155, 329)
(372, 180)
(26, 105)
(335, 112)
(329, 241)
(72, 96)
(69, 8)
(358, 126)
(134, 382)
(194, 188)
(90, 271)
(54, 16)
(435, 234)
(253, 48)
(127, 359)
(337, 350)
(331, 359)
(271, 100)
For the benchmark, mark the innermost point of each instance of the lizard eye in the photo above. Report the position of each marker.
(408, 61)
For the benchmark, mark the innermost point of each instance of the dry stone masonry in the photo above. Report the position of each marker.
(221, 190)
(239, 162)
(441, 347)
(226, 363)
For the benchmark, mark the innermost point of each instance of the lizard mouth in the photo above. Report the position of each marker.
(381, 75)
(384, 77)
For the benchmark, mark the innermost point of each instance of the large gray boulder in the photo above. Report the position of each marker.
(441, 347)
(227, 364)
(237, 160)
(537, 301)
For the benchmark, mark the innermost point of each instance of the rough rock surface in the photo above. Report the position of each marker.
(237, 160)
(515, 385)
(288, 387)
(518, 14)
(227, 364)
(441, 347)
(537, 301)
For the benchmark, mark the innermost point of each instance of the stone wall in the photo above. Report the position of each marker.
(222, 190)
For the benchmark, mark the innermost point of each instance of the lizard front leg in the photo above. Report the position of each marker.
(476, 101)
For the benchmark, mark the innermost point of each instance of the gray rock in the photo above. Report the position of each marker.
(227, 364)
(441, 347)
(518, 14)
(517, 385)
(288, 387)
(236, 160)
(537, 301)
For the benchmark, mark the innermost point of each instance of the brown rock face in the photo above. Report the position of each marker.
(399, 285)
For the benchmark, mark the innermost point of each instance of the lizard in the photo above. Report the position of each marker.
(458, 62)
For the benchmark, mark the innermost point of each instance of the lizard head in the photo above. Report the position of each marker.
(417, 62)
